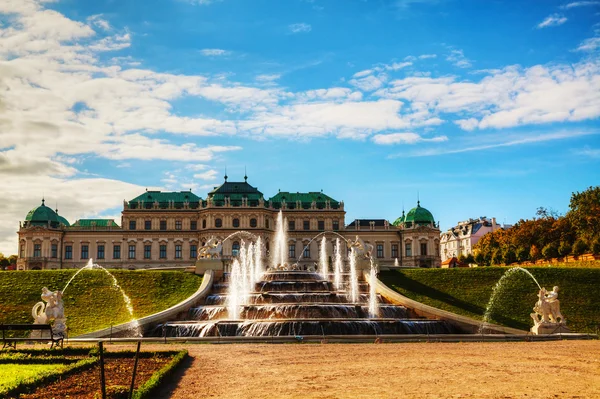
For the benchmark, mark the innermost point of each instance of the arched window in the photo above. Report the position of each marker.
(203, 223)
(253, 222)
(218, 223)
(267, 223)
(236, 222)
(235, 248)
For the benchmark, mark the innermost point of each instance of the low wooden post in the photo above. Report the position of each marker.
(102, 380)
(135, 364)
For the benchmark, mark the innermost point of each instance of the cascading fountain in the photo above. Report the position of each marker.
(323, 267)
(338, 265)
(373, 301)
(286, 300)
(353, 276)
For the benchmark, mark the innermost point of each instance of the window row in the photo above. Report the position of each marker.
(320, 225)
(163, 224)
(131, 252)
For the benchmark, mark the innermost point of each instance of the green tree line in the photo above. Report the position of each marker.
(5, 262)
(548, 235)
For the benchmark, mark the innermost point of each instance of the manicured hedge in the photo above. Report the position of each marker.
(90, 301)
(467, 292)
(147, 390)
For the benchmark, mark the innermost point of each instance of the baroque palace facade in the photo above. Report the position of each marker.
(166, 229)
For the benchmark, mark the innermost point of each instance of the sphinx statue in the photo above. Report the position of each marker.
(547, 318)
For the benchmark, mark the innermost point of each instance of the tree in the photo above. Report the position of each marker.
(522, 254)
(470, 259)
(550, 251)
(13, 259)
(479, 258)
(461, 258)
(4, 263)
(565, 248)
(497, 257)
(584, 213)
(596, 246)
(580, 247)
(509, 256)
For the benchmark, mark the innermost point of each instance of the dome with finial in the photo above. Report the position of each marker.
(42, 215)
(417, 216)
(62, 219)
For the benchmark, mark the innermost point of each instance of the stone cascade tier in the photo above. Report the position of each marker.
(298, 303)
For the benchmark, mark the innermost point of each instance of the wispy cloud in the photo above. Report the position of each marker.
(575, 4)
(299, 28)
(214, 52)
(405, 138)
(589, 152)
(552, 20)
(457, 57)
(208, 175)
(589, 45)
(536, 138)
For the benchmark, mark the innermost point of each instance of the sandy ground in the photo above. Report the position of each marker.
(563, 369)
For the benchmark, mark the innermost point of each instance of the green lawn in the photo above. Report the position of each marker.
(90, 301)
(12, 375)
(467, 292)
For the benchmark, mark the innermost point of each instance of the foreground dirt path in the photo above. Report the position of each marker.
(567, 369)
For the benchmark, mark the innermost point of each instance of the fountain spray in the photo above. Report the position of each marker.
(323, 269)
(338, 266)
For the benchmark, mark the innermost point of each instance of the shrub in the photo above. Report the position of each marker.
(510, 256)
(522, 254)
(534, 253)
(596, 247)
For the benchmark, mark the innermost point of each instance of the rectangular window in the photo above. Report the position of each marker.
(132, 252)
(85, 252)
(178, 225)
(194, 225)
(147, 224)
(116, 252)
(292, 251)
(100, 252)
(163, 224)
(147, 251)
(306, 225)
(424, 248)
(193, 251)
(321, 225)
(22, 251)
(68, 252)
(54, 251)
(291, 225)
(408, 249)
(132, 225)
(178, 252)
(163, 252)
(394, 250)
(37, 250)
(380, 250)
(306, 254)
(336, 225)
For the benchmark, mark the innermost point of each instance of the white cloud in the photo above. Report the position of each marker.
(405, 138)
(214, 52)
(575, 4)
(112, 43)
(457, 58)
(552, 20)
(299, 28)
(98, 21)
(369, 82)
(427, 56)
(507, 141)
(267, 78)
(589, 152)
(208, 175)
(591, 44)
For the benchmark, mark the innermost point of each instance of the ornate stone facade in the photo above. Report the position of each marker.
(166, 229)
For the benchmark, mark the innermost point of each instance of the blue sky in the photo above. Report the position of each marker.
(480, 108)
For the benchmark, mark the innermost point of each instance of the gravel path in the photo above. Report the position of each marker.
(560, 369)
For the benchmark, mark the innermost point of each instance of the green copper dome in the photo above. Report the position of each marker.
(417, 216)
(42, 215)
(62, 219)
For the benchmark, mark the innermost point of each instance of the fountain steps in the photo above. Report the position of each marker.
(294, 297)
(301, 327)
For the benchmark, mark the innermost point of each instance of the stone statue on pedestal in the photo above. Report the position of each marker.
(547, 318)
(53, 310)
(360, 247)
(211, 250)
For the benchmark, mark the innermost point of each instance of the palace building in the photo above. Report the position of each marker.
(166, 229)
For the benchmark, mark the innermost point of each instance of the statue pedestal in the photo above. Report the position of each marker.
(202, 265)
(549, 328)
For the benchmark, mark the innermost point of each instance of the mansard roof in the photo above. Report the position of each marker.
(306, 199)
(95, 223)
(367, 223)
(164, 198)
